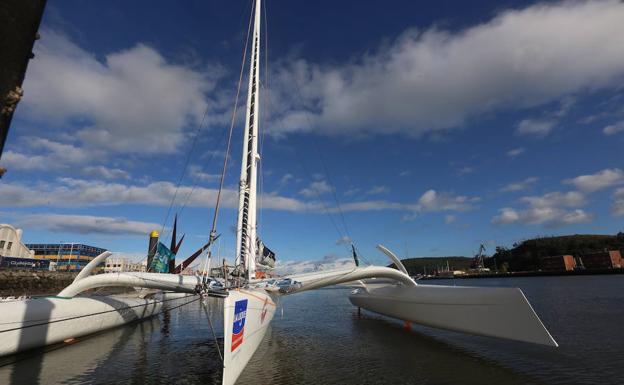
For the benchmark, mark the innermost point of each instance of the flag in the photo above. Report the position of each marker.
(160, 262)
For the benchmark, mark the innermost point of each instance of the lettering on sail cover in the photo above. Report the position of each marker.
(238, 327)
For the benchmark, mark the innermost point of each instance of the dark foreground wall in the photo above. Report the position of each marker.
(19, 22)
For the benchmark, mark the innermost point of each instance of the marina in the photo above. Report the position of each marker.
(252, 286)
(321, 339)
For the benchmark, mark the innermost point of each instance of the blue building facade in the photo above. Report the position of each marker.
(65, 256)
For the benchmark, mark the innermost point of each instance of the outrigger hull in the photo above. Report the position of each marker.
(494, 312)
(37, 322)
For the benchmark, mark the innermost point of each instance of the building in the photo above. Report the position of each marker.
(23, 263)
(120, 264)
(11, 243)
(66, 256)
(558, 263)
(611, 259)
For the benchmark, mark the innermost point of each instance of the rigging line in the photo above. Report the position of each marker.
(316, 192)
(212, 330)
(264, 85)
(196, 179)
(226, 156)
(229, 142)
(324, 166)
(332, 185)
(186, 163)
(189, 157)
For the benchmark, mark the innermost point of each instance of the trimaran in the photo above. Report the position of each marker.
(250, 304)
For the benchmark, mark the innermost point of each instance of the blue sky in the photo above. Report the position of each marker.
(435, 126)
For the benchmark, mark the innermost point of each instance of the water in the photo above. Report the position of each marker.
(321, 339)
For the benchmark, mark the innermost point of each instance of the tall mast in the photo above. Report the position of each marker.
(246, 226)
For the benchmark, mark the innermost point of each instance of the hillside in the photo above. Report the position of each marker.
(525, 256)
(417, 265)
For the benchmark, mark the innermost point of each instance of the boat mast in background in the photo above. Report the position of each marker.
(246, 225)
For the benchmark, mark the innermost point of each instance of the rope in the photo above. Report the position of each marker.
(214, 335)
(213, 229)
(186, 163)
(264, 86)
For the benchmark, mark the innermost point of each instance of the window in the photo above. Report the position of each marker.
(1, 244)
(9, 245)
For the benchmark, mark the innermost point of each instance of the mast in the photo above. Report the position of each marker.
(246, 226)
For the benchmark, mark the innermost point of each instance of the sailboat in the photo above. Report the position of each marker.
(249, 309)
(250, 303)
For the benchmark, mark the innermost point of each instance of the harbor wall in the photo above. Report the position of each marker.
(28, 282)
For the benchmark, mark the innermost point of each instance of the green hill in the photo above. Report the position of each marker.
(526, 255)
(418, 265)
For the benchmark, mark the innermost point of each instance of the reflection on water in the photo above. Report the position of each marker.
(321, 339)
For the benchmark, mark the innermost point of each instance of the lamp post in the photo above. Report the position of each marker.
(71, 251)
(58, 255)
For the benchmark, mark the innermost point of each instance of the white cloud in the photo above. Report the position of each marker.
(405, 173)
(577, 216)
(198, 174)
(329, 262)
(549, 216)
(47, 155)
(506, 215)
(105, 172)
(352, 191)
(449, 218)
(132, 101)
(550, 209)
(519, 186)
(515, 152)
(618, 202)
(598, 181)
(315, 189)
(344, 240)
(466, 170)
(67, 192)
(431, 200)
(376, 190)
(537, 127)
(434, 79)
(614, 128)
(87, 224)
(556, 199)
(284, 180)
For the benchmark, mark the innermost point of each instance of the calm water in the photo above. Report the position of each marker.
(321, 340)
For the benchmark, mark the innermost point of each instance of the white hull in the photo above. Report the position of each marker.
(39, 322)
(495, 312)
(239, 347)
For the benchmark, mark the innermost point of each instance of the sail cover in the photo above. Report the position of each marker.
(265, 256)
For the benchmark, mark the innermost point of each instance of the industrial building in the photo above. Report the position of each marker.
(611, 259)
(11, 243)
(120, 264)
(558, 263)
(65, 256)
